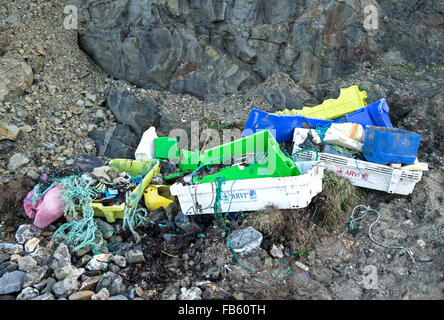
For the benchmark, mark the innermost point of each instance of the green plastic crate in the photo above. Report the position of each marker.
(262, 146)
(166, 148)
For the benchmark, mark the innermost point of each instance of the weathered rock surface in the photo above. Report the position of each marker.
(16, 76)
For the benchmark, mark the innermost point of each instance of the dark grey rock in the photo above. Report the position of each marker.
(12, 282)
(183, 222)
(87, 163)
(50, 282)
(11, 248)
(68, 285)
(106, 228)
(115, 142)
(112, 282)
(42, 256)
(3, 257)
(158, 215)
(35, 275)
(7, 266)
(134, 256)
(26, 232)
(40, 285)
(28, 294)
(62, 254)
(138, 111)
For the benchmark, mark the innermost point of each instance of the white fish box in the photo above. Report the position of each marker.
(366, 174)
(251, 194)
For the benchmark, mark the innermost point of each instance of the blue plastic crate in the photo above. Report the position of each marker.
(375, 114)
(390, 145)
(281, 126)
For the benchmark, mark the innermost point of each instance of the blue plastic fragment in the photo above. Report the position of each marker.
(390, 145)
(375, 114)
(111, 193)
(281, 126)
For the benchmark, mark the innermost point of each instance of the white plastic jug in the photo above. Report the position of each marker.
(145, 149)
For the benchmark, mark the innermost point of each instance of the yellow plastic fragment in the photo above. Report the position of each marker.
(349, 100)
(157, 196)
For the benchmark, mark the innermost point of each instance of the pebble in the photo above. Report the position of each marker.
(31, 245)
(81, 295)
(62, 254)
(245, 241)
(276, 252)
(64, 271)
(119, 260)
(26, 263)
(103, 294)
(194, 293)
(28, 293)
(118, 297)
(26, 129)
(90, 283)
(17, 161)
(12, 282)
(3, 257)
(64, 288)
(112, 282)
(11, 248)
(425, 258)
(96, 265)
(50, 282)
(106, 228)
(26, 232)
(10, 132)
(45, 296)
(15, 257)
(134, 256)
(34, 276)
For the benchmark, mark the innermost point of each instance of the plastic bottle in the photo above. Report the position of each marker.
(145, 149)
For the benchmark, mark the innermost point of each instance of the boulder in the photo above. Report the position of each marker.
(16, 76)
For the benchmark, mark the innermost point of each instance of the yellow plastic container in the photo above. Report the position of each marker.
(349, 100)
(157, 196)
(134, 168)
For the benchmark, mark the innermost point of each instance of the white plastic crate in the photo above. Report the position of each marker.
(366, 174)
(251, 194)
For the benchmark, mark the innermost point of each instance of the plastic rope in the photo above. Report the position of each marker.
(363, 214)
(77, 192)
(132, 217)
(218, 213)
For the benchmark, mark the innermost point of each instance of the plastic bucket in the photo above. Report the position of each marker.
(375, 114)
(390, 145)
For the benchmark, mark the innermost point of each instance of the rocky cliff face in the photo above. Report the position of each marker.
(210, 48)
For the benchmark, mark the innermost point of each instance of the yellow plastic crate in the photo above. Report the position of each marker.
(134, 168)
(349, 100)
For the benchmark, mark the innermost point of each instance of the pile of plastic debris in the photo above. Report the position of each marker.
(344, 135)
